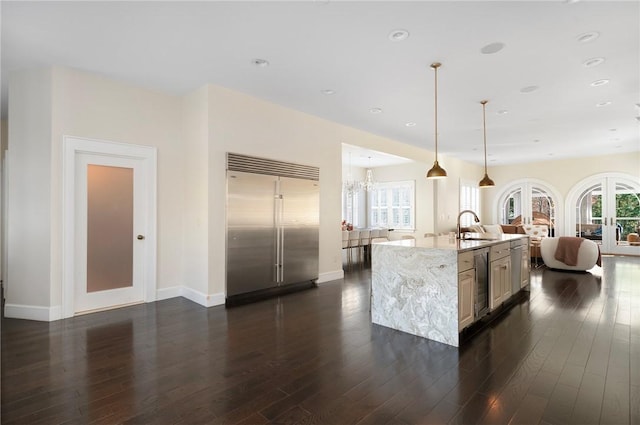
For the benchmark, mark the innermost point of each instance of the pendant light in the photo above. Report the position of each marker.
(486, 181)
(436, 172)
(368, 184)
(349, 186)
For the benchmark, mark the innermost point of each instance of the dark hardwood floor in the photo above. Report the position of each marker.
(568, 353)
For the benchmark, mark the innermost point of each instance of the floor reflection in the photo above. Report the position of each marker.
(585, 285)
(106, 368)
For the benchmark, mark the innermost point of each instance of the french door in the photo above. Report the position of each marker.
(529, 202)
(606, 209)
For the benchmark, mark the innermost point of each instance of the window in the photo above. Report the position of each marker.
(392, 205)
(350, 203)
(469, 200)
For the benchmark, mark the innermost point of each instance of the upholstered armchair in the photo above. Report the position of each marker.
(536, 233)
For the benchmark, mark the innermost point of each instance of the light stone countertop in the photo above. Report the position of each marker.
(444, 242)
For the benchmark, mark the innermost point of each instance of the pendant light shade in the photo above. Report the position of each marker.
(486, 181)
(436, 172)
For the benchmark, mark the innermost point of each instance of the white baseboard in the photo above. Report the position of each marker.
(166, 293)
(33, 312)
(329, 276)
(206, 300)
(49, 314)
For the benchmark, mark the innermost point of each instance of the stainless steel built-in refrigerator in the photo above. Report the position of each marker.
(272, 227)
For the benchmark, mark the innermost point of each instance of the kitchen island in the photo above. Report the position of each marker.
(435, 287)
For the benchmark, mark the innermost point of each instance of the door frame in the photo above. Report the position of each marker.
(526, 185)
(606, 180)
(71, 146)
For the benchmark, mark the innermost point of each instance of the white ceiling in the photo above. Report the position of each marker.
(358, 156)
(176, 47)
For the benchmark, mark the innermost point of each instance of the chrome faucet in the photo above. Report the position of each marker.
(475, 217)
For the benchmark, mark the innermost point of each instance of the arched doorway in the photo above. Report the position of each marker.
(530, 201)
(606, 208)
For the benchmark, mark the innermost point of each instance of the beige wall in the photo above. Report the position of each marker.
(562, 175)
(242, 124)
(29, 191)
(44, 106)
(437, 201)
(193, 134)
(90, 106)
(195, 142)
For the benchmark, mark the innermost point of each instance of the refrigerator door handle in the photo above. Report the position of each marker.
(279, 238)
(281, 242)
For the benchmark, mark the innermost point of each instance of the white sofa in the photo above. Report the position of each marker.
(587, 255)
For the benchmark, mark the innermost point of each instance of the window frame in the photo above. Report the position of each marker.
(388, 189)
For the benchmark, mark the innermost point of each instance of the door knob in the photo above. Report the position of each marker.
(140, 237)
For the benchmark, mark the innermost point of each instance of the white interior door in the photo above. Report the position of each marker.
(109, 231)
(109, 214)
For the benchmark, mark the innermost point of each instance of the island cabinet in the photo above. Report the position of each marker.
(499, 274)
(436, 287)
(466, 289)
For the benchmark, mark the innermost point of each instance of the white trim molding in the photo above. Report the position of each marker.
(33, 312)
(166, 293)
(206, 300)
(330, 276)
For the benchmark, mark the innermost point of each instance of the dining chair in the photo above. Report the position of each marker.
(354, 243)
(365, 245)
(345, 245)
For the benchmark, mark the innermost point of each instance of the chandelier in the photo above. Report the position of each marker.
(368, 184)
(350, 186)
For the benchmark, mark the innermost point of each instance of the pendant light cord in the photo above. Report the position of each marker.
(484, 132)
(435, 104)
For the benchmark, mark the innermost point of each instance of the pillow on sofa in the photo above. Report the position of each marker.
(476, 228)
(496, 229)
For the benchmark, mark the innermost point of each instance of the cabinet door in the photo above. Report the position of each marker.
(500, 279)
(466, 283)
(495, 284)
(524, 274)
(505, 269)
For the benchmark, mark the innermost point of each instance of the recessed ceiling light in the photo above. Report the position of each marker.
(550, 154)
(502, 112)
(328, 92)
(529, 89)
(492, 48)
(607, 103)
(571, 1)
(260, 62)
(590, 63)
(536, 141)
(588, 36)
(599, 83)
(398, 35)
(375, 110)
(474, 149)
(613, 129)
(410, 124)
